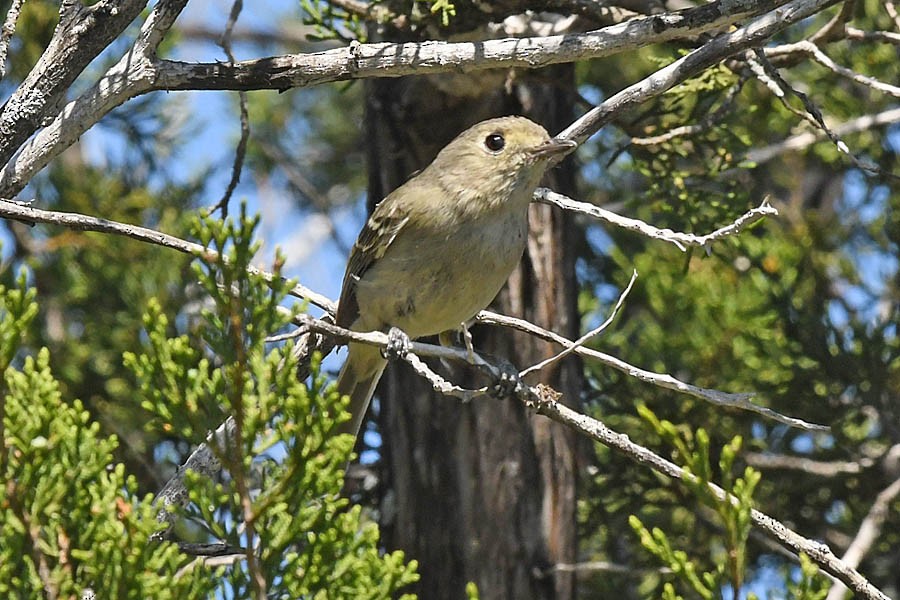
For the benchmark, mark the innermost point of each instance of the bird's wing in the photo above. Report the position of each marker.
(386, 221)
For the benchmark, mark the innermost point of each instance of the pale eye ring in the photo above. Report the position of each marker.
(494, 142)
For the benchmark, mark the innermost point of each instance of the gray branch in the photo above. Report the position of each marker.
(752, 34)
(21, 212)
(139, 71)
(82, 33)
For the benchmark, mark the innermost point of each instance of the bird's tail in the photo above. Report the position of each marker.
(358, 378)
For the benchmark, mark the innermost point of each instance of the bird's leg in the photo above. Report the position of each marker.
(467, 339)
(398, 344)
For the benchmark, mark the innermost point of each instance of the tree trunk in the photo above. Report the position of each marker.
(481, 492)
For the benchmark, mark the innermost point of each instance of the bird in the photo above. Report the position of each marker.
(439, 248)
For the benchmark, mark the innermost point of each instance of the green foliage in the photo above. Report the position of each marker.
(812, 585)
(17, 311)
(446, 10)
(323, 170)
(731, 515)
(471, 591)
(92, 289)
(70, 520)
(34, 27)
(280, 498)
(332, 22)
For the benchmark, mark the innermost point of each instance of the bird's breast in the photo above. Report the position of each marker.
(432, 281)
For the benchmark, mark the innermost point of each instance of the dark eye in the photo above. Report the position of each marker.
(494, 142)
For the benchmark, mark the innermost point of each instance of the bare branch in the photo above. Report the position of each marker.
(584, 339)
(769, 75)
(681, 240)
(138, 72)
(708, 54)
(203, 462)
(807, 465)
(807, 48)
(20, 212)
(545, 403)
(873, 36)
(868, 534)
(9, 28)
(81, 34)
(394, 60)
(806, 139)
(129, 77)
(663, 380)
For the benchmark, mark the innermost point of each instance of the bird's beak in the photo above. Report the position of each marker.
(552, 147)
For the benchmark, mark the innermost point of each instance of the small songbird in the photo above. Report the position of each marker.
(437, 250)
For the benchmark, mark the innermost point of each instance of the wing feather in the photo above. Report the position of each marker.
(386, 221)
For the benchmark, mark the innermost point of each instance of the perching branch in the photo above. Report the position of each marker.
(543, 400)
(663, 380)
(18, 211)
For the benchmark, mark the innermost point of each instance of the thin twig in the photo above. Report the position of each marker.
(663, 380)
(807, 465)
(808, 48)
(587, 336)
(808, 138)
(21, 212)
(9, 28)
(867, 535)
(241, 149)
(705, 122)
(710, 53)
(890, 37)
(767, 73)
(680, 240)
(834, 29)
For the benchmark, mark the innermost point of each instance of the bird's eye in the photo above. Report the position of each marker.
(494, 142)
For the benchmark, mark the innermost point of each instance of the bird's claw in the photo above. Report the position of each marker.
(508, 383)
(398, 344)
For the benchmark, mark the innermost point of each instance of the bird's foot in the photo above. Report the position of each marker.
(508, 383)
(398, 344)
